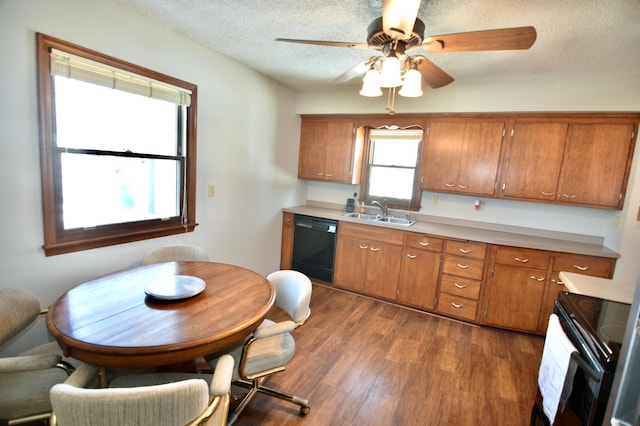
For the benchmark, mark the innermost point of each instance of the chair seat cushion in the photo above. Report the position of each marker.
(271, 352)
(27, 392)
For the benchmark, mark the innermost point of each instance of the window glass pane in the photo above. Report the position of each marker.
(99, 190)
(94, 117)
(387, 182)
(395, 152)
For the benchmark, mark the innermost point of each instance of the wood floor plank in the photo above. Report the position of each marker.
(364, 362)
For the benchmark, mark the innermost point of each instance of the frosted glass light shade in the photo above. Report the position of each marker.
(412, 87)
(390, 72)
(371, 84)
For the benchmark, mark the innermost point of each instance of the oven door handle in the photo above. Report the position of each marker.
(585, 366)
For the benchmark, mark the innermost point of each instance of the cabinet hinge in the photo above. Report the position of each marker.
(486, 313)
(492, 271)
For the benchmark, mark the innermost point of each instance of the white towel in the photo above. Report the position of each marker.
(555, 368)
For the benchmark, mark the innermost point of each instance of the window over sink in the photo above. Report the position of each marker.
(391, 167)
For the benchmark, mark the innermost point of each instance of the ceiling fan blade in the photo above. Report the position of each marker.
(328, 43)
(432, 75)
(354, 72)
(399, 17)
(520, 38)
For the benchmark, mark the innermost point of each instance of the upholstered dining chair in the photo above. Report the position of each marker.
(25, 380)
(175, 253)
(271, 346)
(156, 399)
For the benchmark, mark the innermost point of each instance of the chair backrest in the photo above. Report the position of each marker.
(175, 253)
(168, 404)
(293, 293)
(18, 309)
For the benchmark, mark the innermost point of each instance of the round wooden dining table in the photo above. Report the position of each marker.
(124, 319)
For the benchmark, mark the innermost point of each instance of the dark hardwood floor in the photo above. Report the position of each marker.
(365, 362)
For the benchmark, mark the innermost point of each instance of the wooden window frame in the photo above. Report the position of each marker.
(57, 240)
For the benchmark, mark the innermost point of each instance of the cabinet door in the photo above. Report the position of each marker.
(286, 247)
(312, 150)
(440, 155)
(514, 297)
(418, 281)
(383, 269)
(534, 159)
(339, 153)
(350, 263)
(479, 158)
(595, 167)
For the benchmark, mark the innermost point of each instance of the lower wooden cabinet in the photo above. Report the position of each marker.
(522, 285)
(419, 271)
(500, 286)
(368, 259)
(286, 245)
(461, 279)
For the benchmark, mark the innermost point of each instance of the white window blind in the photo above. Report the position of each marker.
(78, 68)
(406, 134)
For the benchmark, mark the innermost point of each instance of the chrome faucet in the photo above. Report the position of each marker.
(383, 207)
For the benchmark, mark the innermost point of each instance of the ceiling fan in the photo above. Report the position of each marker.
(399, 31)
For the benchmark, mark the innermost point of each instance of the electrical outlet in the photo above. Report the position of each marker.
(211, 190)
(434, 200)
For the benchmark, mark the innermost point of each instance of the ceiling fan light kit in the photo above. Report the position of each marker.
(400, 30)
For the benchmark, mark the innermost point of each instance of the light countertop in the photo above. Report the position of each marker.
(480, 232)
(603, 288)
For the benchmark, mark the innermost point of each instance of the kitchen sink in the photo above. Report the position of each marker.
(378, 218)
(363, 216)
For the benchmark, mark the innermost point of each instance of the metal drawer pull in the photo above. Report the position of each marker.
(363, 247)
(423, 244)
(463, 186)
(455, 305)
(459, 285)
(319, 174)
(450, 185)
(375, 248)
(411, 256)
(537, 279)
(581, 268)
(329, 174)
(557, 282)
(569, 196)
(548, 194)
(465, 251)
(521, 260)
(462, 266)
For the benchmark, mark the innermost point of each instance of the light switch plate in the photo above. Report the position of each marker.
(211, 190)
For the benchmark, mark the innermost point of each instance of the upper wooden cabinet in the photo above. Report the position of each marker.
(462, 155)
(329, 150)
(569, 160)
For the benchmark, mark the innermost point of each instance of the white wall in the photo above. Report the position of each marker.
(248, 134)
(619, 229)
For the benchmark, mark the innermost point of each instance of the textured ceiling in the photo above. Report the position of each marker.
(575, 37)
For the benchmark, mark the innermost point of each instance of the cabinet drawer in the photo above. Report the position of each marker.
(588, 265)
(424, 242)
(463, 267)
(371, 232)
(467, 249)
(457, 286)
(457, 306)
(522, 257)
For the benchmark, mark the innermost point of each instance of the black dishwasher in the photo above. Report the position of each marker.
(314, 244)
